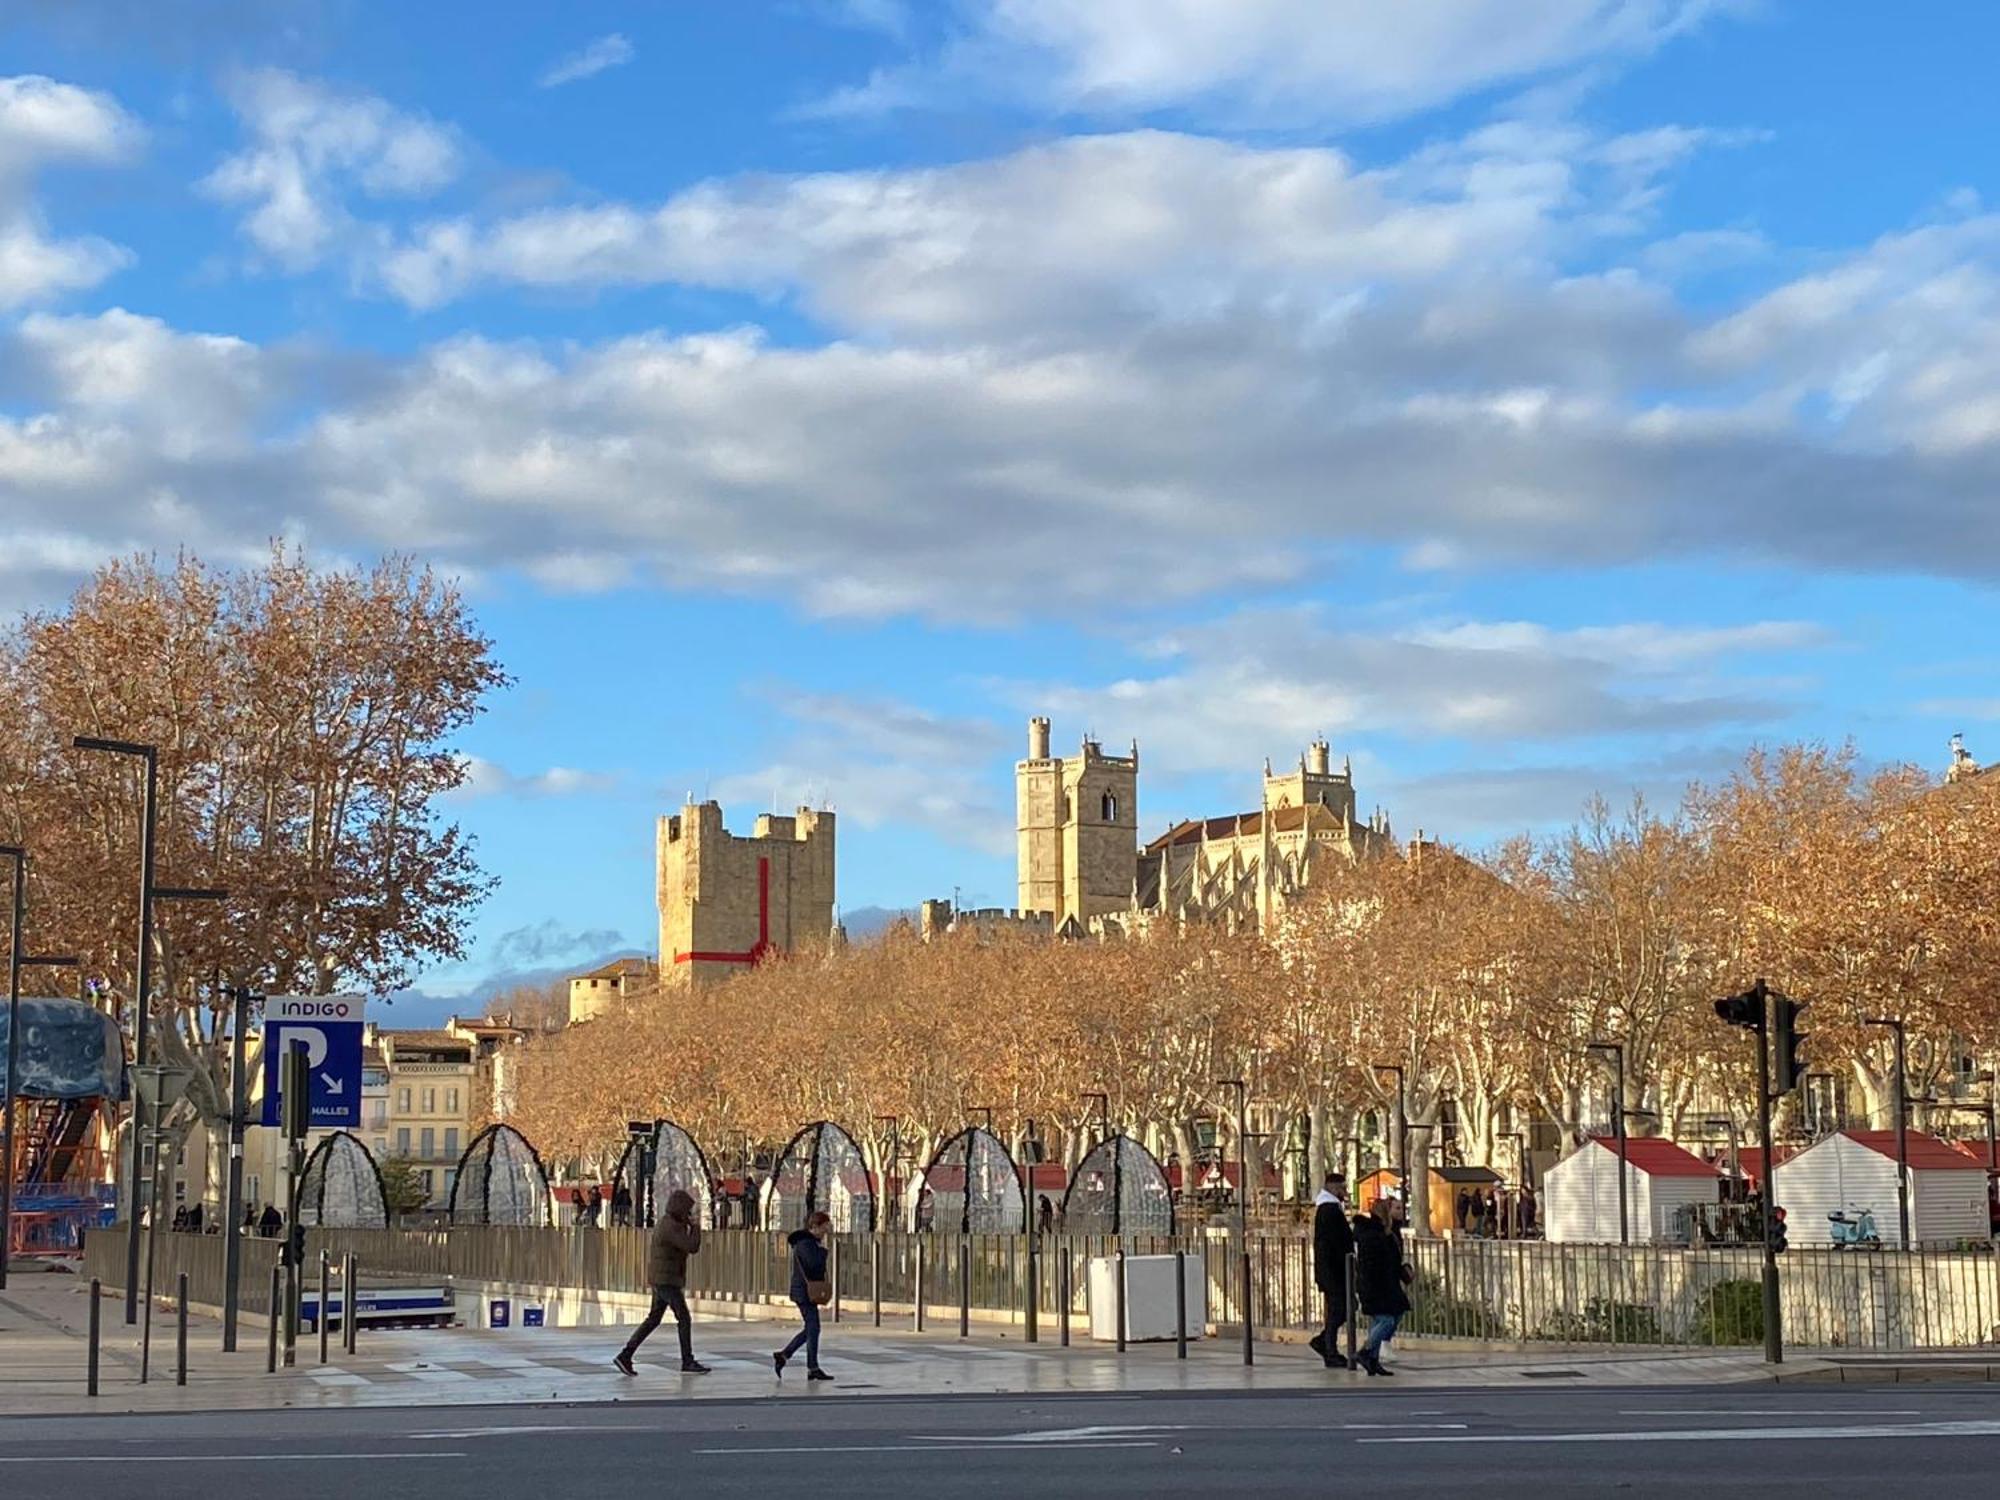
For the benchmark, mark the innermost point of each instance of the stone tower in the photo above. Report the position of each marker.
(1078, 820)
(1315, 781)
(726, 902)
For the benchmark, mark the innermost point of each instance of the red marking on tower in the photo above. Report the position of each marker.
(762, 946)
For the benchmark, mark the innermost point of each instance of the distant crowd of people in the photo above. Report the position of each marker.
(593, 1208)
(1496, 1214)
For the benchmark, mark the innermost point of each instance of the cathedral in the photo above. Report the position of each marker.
(1082, 870)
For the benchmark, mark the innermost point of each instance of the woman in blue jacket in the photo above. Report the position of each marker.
(809, 1288)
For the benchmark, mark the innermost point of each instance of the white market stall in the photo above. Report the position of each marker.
(1580, 1192)
(1856, 1169)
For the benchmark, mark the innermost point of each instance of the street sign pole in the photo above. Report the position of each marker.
(232, 1213)
(297, 1104)
(156, 1089)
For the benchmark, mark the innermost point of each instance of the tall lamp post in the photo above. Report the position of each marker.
(16, 962)
(142, 983)
(1902, 1126)
(1617, 1051)
(895, 1124)
(1402, 1126)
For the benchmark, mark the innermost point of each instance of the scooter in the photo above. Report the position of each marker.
(1854, 1229)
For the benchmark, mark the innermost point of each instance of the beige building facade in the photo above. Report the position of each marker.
(1078, 825)
(727, 901)
(1081, 870)
(591, 994)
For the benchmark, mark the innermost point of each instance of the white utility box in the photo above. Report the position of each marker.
(1149, 1298)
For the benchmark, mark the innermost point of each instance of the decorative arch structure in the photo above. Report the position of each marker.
(1118, 1188)
(679, 1165)
(821, 1168)
(341, 1187)
(974, 1186)
(500, 1181)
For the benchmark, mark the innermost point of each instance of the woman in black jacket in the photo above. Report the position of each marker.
(1381, 1278)
(808, 1266)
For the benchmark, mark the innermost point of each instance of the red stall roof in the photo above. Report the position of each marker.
(1659, 1158)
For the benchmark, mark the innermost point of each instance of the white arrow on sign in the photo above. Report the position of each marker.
(333, 1085)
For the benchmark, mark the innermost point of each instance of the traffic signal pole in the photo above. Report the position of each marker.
(1774, 1337)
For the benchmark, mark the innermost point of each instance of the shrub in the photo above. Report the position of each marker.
(1731, 1313)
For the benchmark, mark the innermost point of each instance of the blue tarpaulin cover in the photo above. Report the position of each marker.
(69, 1050)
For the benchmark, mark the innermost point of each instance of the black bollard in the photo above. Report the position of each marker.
(1062, 1299)
(181, 1331)
(964, 1287)
(1180, 1304)
(277, 1298)
(350, 1302)
(96, 1332)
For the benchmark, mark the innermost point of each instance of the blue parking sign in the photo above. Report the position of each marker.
(330, 1028)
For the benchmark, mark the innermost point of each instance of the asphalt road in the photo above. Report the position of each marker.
(1822, 1441)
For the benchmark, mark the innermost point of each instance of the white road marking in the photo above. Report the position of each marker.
(958, 1447)
(480, 1432)
(1067, 1436)
(221, 1458)
(1403, 1426)
(1770, 1411)
(1724, 1434)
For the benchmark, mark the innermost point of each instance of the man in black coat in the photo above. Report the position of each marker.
(1333, 1241)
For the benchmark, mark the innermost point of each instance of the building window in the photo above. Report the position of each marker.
(429, 1139)
(381, 1146)
(378, 1112)
(450, 1181)
(430, 1186)
(403, 1140)
(451, 1143)
(451, 1101)
(402, 1101)
(430, 1101)
(1110, 807)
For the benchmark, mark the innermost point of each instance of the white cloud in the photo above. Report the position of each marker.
(44, 122)
(1263, 682)
(609, 51)
(878, 762)
(312, 144)
(486, 778)
(1067, 238)
(1266, 60)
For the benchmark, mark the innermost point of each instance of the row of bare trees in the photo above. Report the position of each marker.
(1485, 979)
(303, 719)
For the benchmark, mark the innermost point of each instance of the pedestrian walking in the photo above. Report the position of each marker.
(750, 1203)
(1527, 1212)
(675, 1238)
(1382, 1278)
(596, 1205)
(810, 1292)
(1333, 1241)
(1045, 1216)
(271, 1222)
(621, 1206)
(1462, 1215)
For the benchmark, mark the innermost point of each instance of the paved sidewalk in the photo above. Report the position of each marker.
(42, 1355)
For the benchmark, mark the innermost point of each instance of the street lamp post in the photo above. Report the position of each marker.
(1402, 1126)
(895, 1124)
(1617, 1051)
(142, 983)
(1902, 1127)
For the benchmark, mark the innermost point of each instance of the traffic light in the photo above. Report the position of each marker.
(1778, 1244)
(1787, 1066)
(1746, 1009)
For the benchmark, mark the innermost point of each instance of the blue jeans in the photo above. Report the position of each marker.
(808, 1335)
(1382, 1330)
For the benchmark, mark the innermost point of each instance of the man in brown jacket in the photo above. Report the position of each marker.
(675, 1238)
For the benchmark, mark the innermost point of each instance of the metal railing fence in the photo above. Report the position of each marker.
(1598, 1296)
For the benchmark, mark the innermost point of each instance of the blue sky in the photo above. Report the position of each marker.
(1534, 396)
